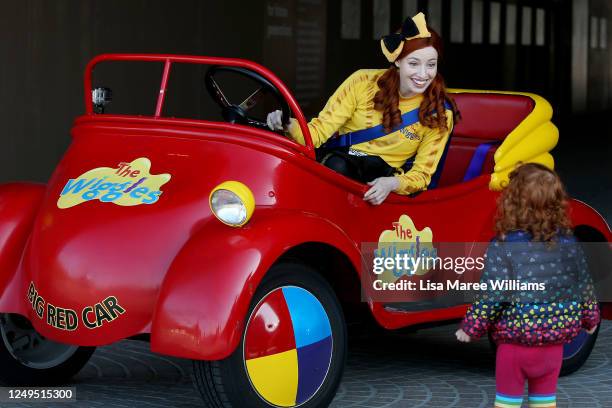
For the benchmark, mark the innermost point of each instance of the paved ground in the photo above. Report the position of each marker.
(426, 369)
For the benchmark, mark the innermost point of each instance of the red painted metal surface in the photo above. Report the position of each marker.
(163, 88)
(170, 268)
(583, 214)
(233, 264)
(19, 203)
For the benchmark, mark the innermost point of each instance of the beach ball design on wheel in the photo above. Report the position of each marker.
(288, 346)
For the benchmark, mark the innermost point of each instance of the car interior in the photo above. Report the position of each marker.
(486, 119)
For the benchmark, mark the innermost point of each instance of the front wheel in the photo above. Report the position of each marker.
(293, 348)
(27, 358)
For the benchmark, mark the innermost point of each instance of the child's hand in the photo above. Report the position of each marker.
(592, 330)
(462, 336)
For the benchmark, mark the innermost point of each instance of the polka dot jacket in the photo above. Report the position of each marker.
(551, 301)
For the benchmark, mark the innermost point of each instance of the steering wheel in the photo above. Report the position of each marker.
(239, 113)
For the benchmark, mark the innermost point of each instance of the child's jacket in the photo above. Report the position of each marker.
(534, 317)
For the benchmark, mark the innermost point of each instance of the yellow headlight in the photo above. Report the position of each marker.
(232, 203)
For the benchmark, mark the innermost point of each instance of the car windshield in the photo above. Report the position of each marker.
(135, 86)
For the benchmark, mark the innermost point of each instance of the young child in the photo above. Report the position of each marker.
(533, 244)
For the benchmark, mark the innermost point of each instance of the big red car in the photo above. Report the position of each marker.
(230, 245)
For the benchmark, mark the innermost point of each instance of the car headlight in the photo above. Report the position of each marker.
(232, 203)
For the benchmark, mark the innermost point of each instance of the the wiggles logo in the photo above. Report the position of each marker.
(128, 184)
(404, 238)
(410, 135)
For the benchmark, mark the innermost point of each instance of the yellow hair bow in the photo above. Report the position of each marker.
(392, 44)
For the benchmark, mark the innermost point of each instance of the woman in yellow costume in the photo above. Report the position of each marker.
(393, 124)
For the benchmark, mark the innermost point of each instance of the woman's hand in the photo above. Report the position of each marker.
(462, 336)
(592, 329)
(381, 187)
(275, 120)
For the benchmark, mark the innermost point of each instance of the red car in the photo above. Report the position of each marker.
(229, 244)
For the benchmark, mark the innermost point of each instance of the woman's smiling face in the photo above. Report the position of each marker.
(417, 70)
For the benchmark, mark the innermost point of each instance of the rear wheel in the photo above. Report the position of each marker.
(293, 348)
(576, 353)
(27, 358)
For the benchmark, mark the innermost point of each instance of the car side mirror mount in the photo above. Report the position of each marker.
(100, 97)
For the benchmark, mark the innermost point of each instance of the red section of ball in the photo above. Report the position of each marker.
(269, 331)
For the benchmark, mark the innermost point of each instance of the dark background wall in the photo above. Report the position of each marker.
(48, 43)
(556, 48)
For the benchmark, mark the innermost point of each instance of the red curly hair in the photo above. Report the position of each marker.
(386, 100)
(534, 201)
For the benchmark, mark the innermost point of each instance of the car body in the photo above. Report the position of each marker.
(152, 259)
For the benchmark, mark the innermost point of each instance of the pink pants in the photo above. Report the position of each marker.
(539, 366)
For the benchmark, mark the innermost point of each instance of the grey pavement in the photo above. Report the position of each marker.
(428, 368)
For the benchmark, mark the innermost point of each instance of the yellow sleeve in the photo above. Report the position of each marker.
(428, 156)
(337, 111)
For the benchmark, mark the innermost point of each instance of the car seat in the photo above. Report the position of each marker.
(486, 120)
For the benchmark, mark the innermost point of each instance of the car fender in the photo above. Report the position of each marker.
(19, 203)
(583, 214)
(205, 296)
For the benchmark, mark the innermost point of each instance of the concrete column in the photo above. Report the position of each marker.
(580, 54)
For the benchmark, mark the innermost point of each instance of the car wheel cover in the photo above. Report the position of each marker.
(28, 347)
(288, 346)
(572, 348)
